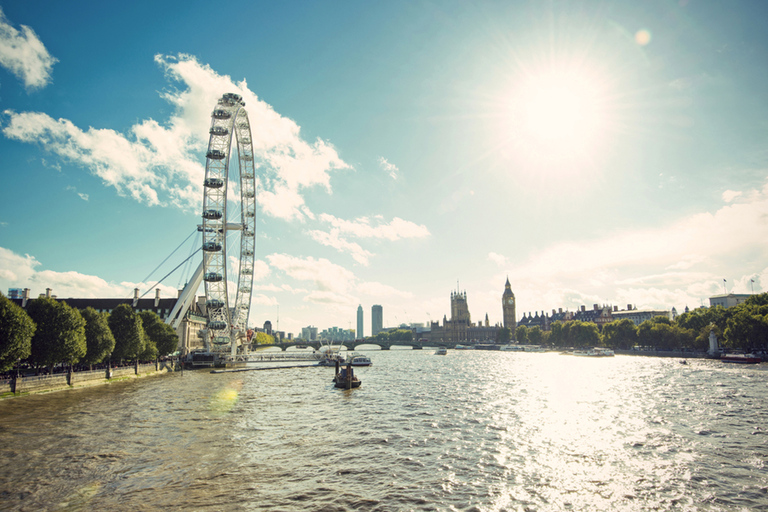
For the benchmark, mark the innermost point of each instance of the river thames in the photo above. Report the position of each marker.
(473, 430)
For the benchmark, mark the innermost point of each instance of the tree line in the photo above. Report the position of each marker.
(50, 332)
(741, 327)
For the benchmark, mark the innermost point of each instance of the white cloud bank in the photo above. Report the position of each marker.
(162, 164)
(23, 54)
(696, 252)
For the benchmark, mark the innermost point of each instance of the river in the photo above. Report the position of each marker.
(473, 430)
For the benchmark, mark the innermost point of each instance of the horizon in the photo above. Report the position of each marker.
(594, 154)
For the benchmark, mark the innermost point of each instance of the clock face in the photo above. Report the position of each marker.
(510, 301)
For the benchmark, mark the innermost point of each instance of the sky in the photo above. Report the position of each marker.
(592, 152)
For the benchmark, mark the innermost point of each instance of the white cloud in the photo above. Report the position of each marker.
(162, 164)
(362, 227)
(389, 168)
(327, 276)
(497, 259)
(332, 239)
(23, 54)
(22, 272)
(730, 195)
(379, 291)
(697, 252)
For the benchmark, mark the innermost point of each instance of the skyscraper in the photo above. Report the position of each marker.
(377, 319)
(359, 334)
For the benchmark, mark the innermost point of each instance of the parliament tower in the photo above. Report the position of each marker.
(508, 308)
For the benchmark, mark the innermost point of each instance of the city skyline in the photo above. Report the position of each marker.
(607, 154)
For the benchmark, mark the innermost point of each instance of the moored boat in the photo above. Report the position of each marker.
(594, 352)
(740, 358)
(345, 378)
(358, 360)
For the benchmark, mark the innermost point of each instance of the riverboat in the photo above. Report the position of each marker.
(359, 360)
(441, 351)
(594, 352)
(740, 358)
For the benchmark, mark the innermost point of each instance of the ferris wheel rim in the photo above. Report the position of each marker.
(229, 123)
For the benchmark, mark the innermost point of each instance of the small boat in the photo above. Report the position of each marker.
(594, 352)
(740, 358)
(464, 347)
(358, 360)
(345, 378)
(441, 351)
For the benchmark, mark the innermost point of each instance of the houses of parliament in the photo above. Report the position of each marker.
(460, 329)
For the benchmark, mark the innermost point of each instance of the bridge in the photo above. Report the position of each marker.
(353, 345)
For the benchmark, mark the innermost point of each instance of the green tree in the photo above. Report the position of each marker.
(263, 338)
(502, 335)
(162, 335)
(128, 331)
(99, 340)
(521, 334)
(535, 335)
(556, 337)
(16, 332)
(620, 334)
(583, 334)
(747, 328)
(60, 334)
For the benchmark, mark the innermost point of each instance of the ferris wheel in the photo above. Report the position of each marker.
(227, 214)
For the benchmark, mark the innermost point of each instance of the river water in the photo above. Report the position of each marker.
(472, 430)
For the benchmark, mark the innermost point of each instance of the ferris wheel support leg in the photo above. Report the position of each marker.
(185, 299)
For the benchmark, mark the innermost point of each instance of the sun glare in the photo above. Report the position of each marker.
(557, 116)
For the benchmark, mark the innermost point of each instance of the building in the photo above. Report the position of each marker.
(309, 333)
(508, 308)
(377, 319)
(460, 329)
(639, 316)
(728, 300)
(359, 333)
(337, 334)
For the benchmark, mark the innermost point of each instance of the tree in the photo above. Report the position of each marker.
(99, 340)
(127, 329)
(263, 338)
(620, 334)
(16, 331)
(521, 334)
(583, 334)
(502, 335)
(556, 337)
(60, 334)
(162, 335)
(535, 335)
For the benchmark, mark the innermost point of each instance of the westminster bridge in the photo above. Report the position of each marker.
(353, 345)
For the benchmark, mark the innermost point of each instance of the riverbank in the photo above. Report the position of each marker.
(10, 388)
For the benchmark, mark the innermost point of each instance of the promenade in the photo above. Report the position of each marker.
(29, 384)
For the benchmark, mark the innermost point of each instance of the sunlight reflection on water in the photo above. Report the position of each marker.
(471, 430)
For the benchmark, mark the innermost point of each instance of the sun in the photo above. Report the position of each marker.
(558, 115)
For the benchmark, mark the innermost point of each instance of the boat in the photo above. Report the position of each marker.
(594, 352)
(464, 347)
(358, 360)
(441, 351)
(328, 355)
(740, 358)
(345, 378)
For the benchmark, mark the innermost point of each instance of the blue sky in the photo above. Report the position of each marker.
(594, 152)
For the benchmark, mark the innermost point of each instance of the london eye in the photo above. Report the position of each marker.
(228, 224)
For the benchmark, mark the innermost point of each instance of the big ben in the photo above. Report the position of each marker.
(508, 308)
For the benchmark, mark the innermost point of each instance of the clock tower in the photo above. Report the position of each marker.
(508, 308)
